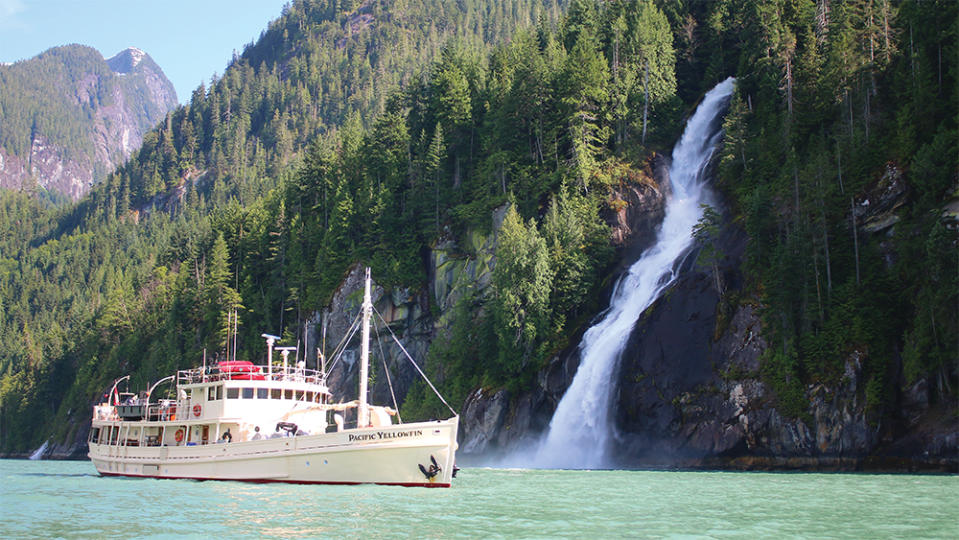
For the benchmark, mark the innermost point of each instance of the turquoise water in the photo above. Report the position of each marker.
(68, 499)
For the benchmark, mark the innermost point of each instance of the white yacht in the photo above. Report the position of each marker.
(239, 421)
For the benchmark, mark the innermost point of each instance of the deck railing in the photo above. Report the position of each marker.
(165, 410)
(247, 373)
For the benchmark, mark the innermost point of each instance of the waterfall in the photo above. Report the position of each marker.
(39, 452)
(580, 430)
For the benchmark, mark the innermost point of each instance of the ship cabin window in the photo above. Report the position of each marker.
(247, 393)
(276, 393)
(95, 435)
(261, 393)
(289, 394)
(232, 393)
(310, 396)
(211, 393)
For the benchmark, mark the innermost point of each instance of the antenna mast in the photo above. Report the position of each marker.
(236, 329)
(362, 411)
(321, 351)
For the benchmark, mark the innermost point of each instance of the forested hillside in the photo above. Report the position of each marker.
(68, 117)
(78, 282)
(320, 65)
(841, 157)
(345, 134)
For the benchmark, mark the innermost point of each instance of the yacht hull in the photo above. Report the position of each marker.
(391, 455)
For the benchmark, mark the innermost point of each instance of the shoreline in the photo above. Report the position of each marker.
(868, 465)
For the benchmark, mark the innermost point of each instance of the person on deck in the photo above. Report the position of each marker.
(257, 436)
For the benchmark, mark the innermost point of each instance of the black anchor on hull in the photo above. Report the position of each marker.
(432, 471)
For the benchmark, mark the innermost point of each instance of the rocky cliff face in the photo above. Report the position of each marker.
(107, 104)
(692, 396)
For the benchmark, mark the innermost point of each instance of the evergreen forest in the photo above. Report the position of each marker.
(370, 132)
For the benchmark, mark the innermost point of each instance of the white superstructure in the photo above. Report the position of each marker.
(272, 423)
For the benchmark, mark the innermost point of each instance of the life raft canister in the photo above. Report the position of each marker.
(178, 435)
(197, 410)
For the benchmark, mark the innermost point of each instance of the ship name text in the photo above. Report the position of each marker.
(385, 435)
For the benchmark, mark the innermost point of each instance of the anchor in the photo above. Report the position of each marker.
(432, 471)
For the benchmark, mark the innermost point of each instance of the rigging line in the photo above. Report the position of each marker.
(337, 358)
(387, 370)
(341, 347)
(425, 378)
(346, 337)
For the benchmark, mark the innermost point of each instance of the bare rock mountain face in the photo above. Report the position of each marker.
(68, 117)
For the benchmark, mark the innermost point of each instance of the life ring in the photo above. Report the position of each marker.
(197, 409)
(178, 435)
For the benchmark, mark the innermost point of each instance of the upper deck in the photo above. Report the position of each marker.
(226, 390)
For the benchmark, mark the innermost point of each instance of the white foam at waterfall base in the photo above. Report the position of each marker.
(579, 433)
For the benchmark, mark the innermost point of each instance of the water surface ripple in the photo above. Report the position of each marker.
(68, 500)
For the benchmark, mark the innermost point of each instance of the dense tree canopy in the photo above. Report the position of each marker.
(335, 139)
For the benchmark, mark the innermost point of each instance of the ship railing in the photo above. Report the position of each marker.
(164, 411)
(250, 373)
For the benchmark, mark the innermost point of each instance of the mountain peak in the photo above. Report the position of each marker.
(94, 112)
(126, 60)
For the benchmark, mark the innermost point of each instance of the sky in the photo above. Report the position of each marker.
(189, 39)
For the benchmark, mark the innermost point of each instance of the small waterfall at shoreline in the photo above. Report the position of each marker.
(39, 452)
(579, 433)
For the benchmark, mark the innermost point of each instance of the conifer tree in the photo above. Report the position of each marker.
(221, 299)
(585, 81)
(652, 46)
(522, 280)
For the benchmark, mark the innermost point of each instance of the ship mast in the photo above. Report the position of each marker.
(362, 411)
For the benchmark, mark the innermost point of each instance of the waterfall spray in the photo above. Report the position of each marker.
(579, 433)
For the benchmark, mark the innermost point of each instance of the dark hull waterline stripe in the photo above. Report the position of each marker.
(276, 481)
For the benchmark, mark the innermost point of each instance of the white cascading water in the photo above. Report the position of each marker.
(39, 452)
(580, 430)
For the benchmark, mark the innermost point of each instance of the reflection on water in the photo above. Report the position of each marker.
(64, 499)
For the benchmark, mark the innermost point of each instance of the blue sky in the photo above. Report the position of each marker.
(190, 40)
